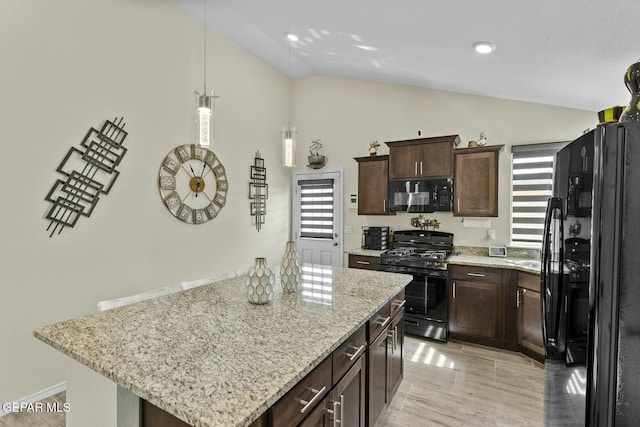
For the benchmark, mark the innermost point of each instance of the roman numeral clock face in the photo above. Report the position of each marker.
(193, 184)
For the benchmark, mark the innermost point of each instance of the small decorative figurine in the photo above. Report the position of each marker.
(373, 148)
(483, 139)
(316, 160)
(424, 223)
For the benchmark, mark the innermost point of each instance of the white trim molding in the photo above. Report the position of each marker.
(38, 396)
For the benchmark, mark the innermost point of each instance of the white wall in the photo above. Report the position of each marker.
(347, 114)
(66, 66)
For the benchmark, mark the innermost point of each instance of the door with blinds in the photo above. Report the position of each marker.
(317, 217)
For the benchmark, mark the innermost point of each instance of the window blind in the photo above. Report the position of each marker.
(316, 208)
(532, 185)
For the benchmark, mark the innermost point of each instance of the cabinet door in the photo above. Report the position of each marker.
(347, 399)
(436, 160)
(395, 355)
(476, 310)
(529, 321)
(377, 375)
(404, 161)
(476, 183)
(373, 177)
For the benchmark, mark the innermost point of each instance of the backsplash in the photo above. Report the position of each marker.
(512, 252)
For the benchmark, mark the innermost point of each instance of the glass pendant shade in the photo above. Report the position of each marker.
(204, 121)
(289, 146)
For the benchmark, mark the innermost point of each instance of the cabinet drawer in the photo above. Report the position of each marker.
(471, 273)
(301, 399)
(397, 303)
(378, 322)
(529, 281)
(348, 352)
(364, 262)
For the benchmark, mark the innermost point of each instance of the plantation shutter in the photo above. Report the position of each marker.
(316, 208)
(532, 185)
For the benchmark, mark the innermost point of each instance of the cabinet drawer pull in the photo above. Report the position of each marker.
(420, 167)
(384, 205)
(363, 262)
(399, 303)
(517, 298)
(415, 168)
(454, 289)
(475, 274)
(384, 322)
(357, 353)
(310, 403)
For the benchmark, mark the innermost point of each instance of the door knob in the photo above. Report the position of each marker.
(335, 243)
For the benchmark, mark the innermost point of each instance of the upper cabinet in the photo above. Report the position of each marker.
(422, 158)
(476, 181)
(373, 178)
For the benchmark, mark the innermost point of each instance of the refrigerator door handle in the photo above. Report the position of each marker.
(550, 303)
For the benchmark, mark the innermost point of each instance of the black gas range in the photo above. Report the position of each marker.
(423, 254)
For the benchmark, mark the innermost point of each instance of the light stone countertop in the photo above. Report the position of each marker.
(474, 258)
(209, 357)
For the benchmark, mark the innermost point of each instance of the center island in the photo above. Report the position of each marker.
(210, 358)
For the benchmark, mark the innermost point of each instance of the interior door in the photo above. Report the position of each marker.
(317, 217)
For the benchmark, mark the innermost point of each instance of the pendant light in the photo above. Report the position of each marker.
(289, 131)
(204, 102)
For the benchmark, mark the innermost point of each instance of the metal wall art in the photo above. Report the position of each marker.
(88, 173)
(258, 191)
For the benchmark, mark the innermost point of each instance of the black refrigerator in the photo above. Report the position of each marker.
(590, 281)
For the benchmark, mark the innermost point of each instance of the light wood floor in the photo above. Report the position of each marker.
(461, 384)
(452, 384)
(37, 419)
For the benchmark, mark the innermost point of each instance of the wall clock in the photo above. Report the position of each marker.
(193, 184)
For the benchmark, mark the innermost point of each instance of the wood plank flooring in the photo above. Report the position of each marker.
(38, 419)
(452, 384)
(461, 384)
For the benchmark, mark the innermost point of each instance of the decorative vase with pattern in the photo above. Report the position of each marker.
(290, 269)
(632, 80)
(260, 281)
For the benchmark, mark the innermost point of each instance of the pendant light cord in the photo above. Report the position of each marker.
(205, 48)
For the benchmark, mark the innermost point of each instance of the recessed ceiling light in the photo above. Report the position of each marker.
(292, 37)
(484, 47)
(364, 47)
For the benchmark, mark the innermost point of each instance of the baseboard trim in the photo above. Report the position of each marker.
(42, 394)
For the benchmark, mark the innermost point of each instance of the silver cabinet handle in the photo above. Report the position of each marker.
(383, 323)
(310, 403)
(454, 289)
(475, 274)
(420, 167)
(458, 200)
(363, 262)
(399, 303)
(415, 168)
(358, 350)
(341, 408)
(517, 298)
(384, 205)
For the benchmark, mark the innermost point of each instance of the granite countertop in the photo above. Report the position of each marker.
(524, 260)
(209, 357)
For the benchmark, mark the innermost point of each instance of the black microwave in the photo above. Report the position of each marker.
(421, 195)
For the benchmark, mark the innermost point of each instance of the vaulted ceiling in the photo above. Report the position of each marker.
(570, 53)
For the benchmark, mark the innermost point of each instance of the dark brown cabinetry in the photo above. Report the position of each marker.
(373, 178)
(476, 181)
(364, 262)
(385, 358)
(529, 316)
(422, 158)
(477, 311)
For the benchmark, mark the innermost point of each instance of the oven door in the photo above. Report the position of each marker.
(426, 309)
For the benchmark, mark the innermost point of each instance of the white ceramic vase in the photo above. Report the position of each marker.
(260, 281)
(290, 269)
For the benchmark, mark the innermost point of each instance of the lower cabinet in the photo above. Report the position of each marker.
(480, 301)
(529, 316)
(386, 367)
